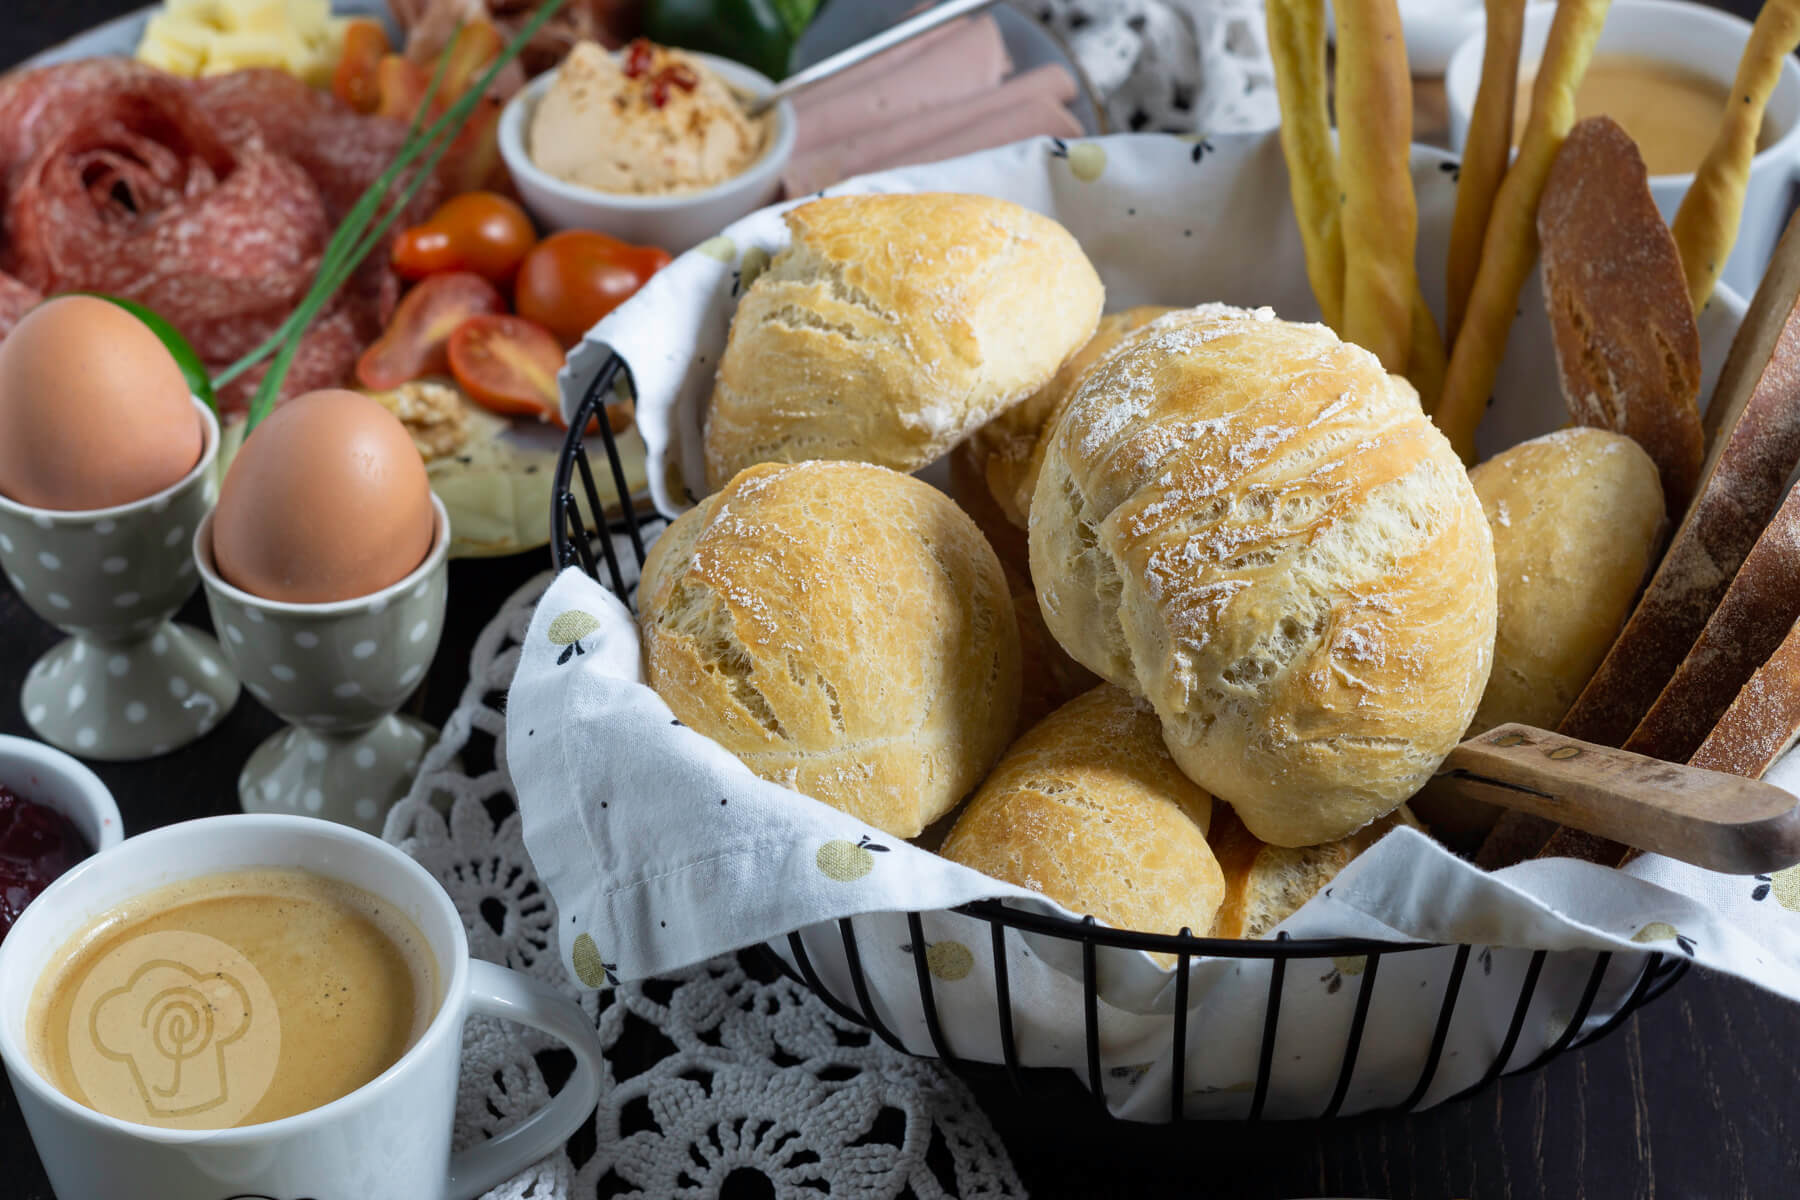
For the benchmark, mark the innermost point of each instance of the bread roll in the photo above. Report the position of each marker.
(1577, 519)
(1252, 524)
(1265, 885)
(841, 628)
(1006, 449)
(892, 327)
(1089, 809)
(1048, 677)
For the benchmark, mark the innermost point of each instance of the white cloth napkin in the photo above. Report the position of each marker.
(661, 849)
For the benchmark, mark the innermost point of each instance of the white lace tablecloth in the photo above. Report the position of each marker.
(722, 1072)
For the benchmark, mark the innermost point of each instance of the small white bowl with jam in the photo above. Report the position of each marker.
(650, 145)
(54, 812)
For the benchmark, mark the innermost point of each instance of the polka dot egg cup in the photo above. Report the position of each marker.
(336, 673)
(128, 683)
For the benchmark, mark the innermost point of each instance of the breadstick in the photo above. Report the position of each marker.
(1485, 152)
(1297, 46)
(1380, 216)
(1706, 224)
(1509, 247)
(1425, 368)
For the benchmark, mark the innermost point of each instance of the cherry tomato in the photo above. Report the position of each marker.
(354, 81)
(477, 231)
(475, 45)
(507, 364)
(572, 279)
(417, 339)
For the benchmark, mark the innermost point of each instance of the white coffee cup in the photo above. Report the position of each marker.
(389, 1138)
(1692, 38)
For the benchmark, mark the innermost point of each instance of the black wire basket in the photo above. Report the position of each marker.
(590, 532)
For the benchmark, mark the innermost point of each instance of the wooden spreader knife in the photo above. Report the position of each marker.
(1707, 818)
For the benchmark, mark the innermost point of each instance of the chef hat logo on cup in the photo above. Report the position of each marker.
(177, 1029)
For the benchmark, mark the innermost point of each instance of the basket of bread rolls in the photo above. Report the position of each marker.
(1280, 626)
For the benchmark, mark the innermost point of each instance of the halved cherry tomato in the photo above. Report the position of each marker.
(572, 279)
(354, 81)
(475, 45)
(417, 340)
(400, 86)
(477, 231)
(507, 365)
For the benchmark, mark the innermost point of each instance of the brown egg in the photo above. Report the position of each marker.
(326, 501)
(93, 410)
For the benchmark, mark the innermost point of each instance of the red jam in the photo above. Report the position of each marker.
(37, 844)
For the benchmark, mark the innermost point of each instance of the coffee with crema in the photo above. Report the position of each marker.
(232, 999)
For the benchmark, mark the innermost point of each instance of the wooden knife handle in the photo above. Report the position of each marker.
(1713, 820)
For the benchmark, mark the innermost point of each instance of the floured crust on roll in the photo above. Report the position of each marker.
(1089, 809)
(1265, 885)
(843, 629)
(1252, 524)
(1007, 448)
(892, 327)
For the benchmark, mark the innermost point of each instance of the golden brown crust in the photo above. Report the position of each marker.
(1007, 449)
(1089, 809)
(1626, 344)
(1048, 677)
(844, 630)
(1296, 30)
(892, 327)
(1264, 884)
(1577, 518)
(1251, 523)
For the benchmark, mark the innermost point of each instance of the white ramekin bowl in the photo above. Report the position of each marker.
(45, 775)
(676, 221)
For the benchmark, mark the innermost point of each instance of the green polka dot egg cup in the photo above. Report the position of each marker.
(336, 673)
(128, 683)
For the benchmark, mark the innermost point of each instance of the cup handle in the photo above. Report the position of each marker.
(495, 991)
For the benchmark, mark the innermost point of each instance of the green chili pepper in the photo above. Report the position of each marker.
(192, 369)
(757, 33)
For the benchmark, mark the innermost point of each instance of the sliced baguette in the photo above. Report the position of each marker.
(1762, 603)
(1753, 431)
(1763, 723)
(1627, 348)
(1756, 415)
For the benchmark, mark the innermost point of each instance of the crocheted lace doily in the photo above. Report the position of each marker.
(1179, 66)
(724, 1072)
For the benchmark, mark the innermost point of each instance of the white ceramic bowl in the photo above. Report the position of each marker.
(1691, 37)
(676, 221)
(47, 776)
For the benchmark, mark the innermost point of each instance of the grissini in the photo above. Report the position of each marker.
(1627, 348)
(1486, 151)
(1706, 224)
(1297, 48)
(1510, 245)
(1380, 215)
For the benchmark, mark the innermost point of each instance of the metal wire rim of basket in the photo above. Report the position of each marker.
(573, 543)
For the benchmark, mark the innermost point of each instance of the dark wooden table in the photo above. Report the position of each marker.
(1691, 1098)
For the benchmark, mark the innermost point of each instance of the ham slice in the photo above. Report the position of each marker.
(946, 71)
(1024, 106)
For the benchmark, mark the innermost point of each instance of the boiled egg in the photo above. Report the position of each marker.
(327, 500)
(93, 410)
